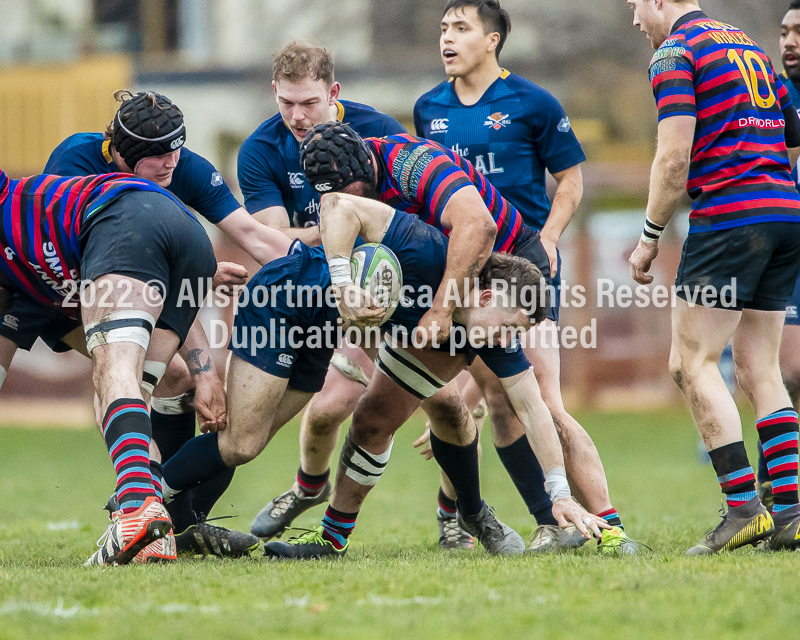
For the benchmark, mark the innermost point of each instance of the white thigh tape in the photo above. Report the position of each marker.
(362, 467)
(3, 374)
(407, 372)
(120, 326)
(175, 405)
(152, 374)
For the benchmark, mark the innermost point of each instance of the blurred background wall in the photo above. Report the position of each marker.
(60, 61)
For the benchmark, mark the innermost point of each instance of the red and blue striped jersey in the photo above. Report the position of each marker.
(40, 234)
(420, 176)
(740, 170)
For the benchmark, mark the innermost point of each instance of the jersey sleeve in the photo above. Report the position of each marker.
(391, 127)
(790, 117)
(504, 362)
(202, 187)
(68, 161)
(418, 130)
(427, 176)
(672, 79)
(256, 172)
(553, 136)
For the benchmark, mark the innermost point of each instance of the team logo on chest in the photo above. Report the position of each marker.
(497, 121)
(297, 180)
(440, 125)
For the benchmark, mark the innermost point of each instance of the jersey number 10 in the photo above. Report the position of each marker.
(747, 68)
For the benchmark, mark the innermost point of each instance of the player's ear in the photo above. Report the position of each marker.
(494, 40)
(333, 94)
(485, 298)
(275, 90)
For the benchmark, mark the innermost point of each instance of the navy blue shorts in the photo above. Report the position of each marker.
(261, 329)
(793, 306)
(27, 320)
(530, 247)
(146, 236)
(750, 267)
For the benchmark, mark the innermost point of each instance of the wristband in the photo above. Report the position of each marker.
(652, 231)
(340, 272)
(555, 483)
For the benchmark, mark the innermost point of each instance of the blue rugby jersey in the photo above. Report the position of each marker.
(740, 171)
(195, 181)
(511, 135)
(269, 168)
(794, 94)
(42, 217)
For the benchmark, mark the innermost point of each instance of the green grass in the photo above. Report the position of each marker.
(393, 583)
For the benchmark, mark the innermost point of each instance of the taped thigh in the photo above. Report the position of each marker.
(363, 467)
(407, 371)
(152, 374)
(120, 326)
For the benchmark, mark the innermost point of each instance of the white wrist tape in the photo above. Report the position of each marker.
(555, 483)
(340, 272)
(652, 231)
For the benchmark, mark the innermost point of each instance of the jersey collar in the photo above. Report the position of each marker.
(107, 152)
(504, 73)
(340, 115)
(685, 19)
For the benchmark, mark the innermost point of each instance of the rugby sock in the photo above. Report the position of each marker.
(734, 473)
(611, 517)
(526, 473)
(126, 430)
(447, 506)
(778, 435)
(311, 486)
(763, 472)
(197, 461)
(206, 494)
(460, 464)
(171, 431)
(181, 512)
(337, 526)
(155, 471)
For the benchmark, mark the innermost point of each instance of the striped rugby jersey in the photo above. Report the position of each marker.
(420, 176)
(40, 234)
(740, 171)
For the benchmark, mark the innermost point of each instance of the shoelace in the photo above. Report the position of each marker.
(203, 522)
(102, 540)
(452, 530)
(282, 504)
(309, 535)
(618, 540)
(543, 536)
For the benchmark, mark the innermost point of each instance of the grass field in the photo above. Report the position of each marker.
(394, 583)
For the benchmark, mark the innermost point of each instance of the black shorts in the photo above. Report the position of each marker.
(750, 267)
(147, 236)
(530, 247)
(27, 320)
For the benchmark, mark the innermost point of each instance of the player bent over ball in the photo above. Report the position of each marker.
(134, 245)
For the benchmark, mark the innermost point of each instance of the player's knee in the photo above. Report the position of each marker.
(242, 450)
(321, 421)
(679, 370)
(372, 426)
(447, 413)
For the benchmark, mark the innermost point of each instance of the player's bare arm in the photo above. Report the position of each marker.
(568, 196)
(209, 395)
(278, 218)
(667, 186)
(263, 242)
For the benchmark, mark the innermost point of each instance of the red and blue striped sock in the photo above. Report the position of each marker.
(611, 516)
(447, 506)
(778, 436)
(734, 473)
(126, 430)
(312, 486)
(158, 474)
(337, 526)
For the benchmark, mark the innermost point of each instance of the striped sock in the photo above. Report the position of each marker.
(447, 507)
(126, 430)
(158, 474)
(337, 526)
(312, 486)
(778, 436)
(734, 473)
(611, 516)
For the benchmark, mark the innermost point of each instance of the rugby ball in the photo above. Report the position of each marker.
(374, 267)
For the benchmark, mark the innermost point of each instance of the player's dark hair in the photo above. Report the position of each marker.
(298, 61)
(794, 5)
(524, 283)
(495, 19)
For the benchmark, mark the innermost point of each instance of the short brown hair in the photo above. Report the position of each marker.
(298, 61)
(523, 279)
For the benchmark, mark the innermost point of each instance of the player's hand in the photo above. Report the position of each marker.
(566, 511)
(210, 404)
(424, 441)
(641, 259)
(229, 276)
(357, 306)
(435, 326)
(552, 254)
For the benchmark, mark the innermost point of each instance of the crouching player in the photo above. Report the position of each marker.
(132, 244)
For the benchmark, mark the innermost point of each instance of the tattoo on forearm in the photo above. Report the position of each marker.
(194, 357)
(474, 269)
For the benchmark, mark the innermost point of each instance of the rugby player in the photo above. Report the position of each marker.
(147, 137)
(725, 120)
(130, 247)
(513, 131)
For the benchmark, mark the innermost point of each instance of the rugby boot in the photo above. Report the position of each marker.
(309, 546)
(764, 490)
(162, 550)
(452, 536)
(203, 539)
(129, 533)
(497, 538)
(748, 524)
(279, 514)
(787, 531)
(615, 542)
(550, 538)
